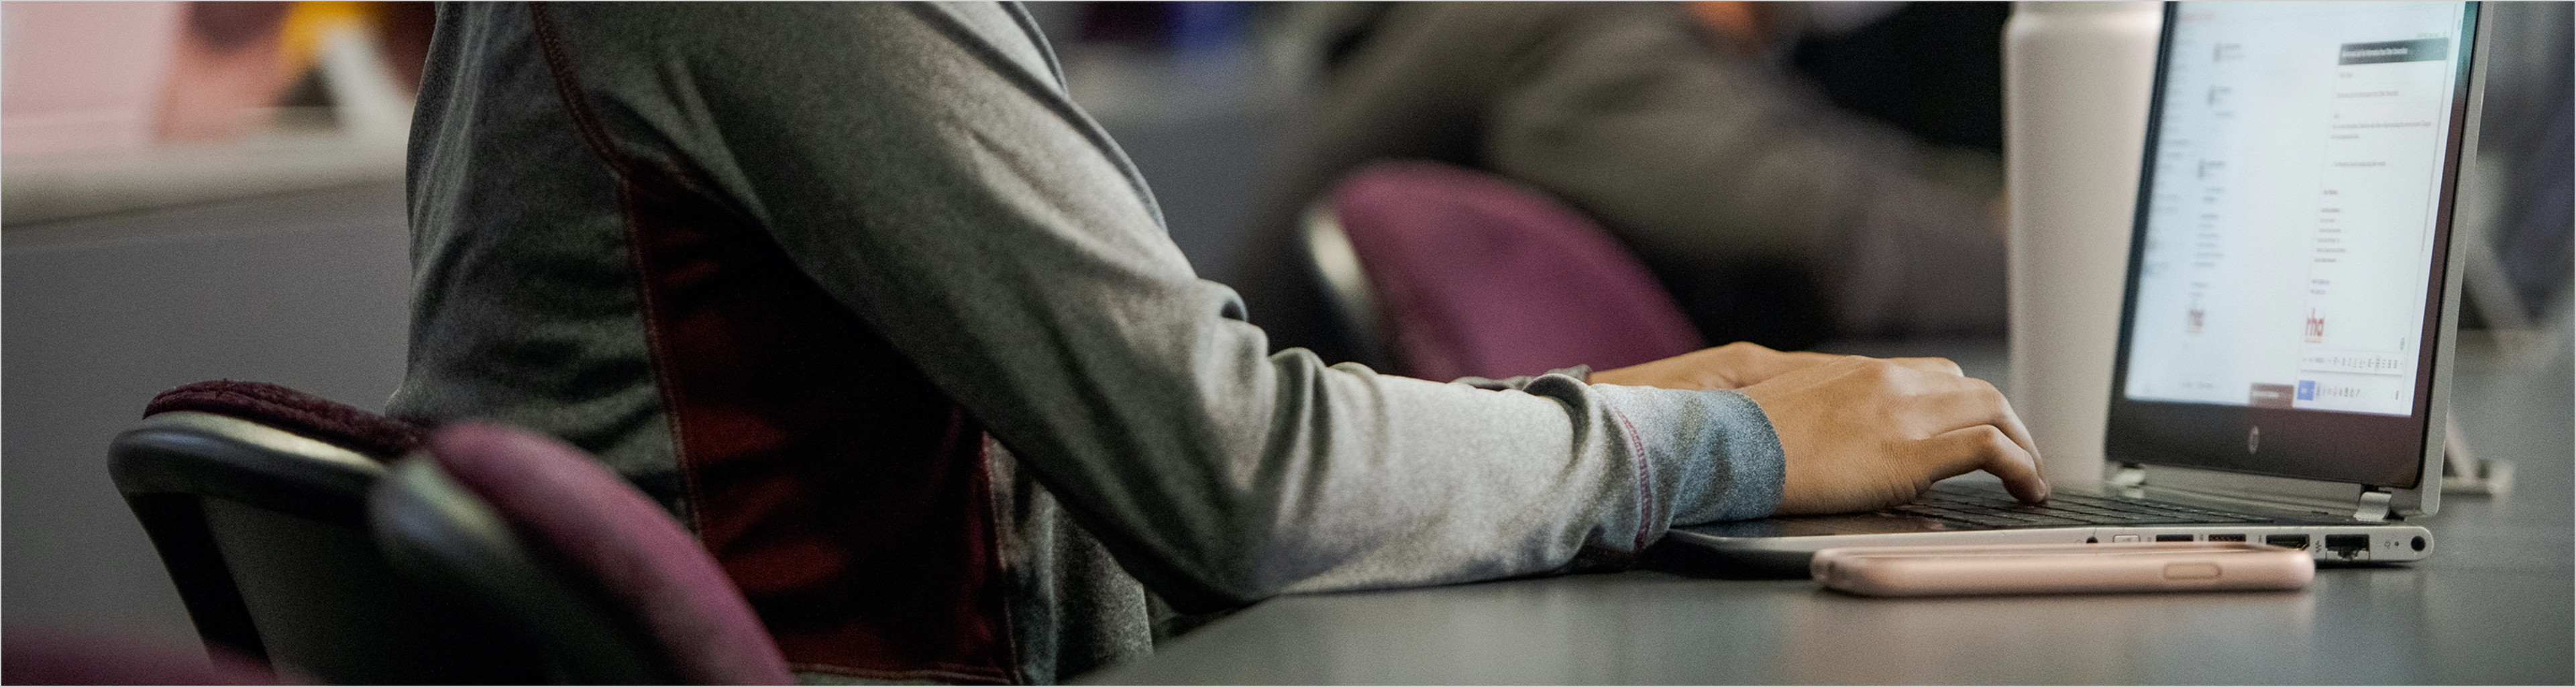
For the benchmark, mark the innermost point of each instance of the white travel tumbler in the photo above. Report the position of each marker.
(2077, 77)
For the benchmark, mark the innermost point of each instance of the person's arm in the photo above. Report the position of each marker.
(922, 164)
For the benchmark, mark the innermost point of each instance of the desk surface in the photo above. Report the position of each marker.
(2492, 606)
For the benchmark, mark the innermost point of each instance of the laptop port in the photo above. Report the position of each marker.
(2350, 547)
(2287, 541)
(2173, 537)
(2227, 537)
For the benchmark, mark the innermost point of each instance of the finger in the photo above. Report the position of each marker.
(1965, 402)
(1984, 447)
(1946, 402)
(2004, 418)
(1940, 365)
(2010, 423)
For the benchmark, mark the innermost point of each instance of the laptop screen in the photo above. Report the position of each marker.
(2293, 223)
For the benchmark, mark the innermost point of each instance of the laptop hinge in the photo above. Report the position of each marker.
(2374, 506)
(2129, 480)
(2244, 491)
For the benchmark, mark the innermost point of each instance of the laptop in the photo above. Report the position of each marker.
(2284, 354)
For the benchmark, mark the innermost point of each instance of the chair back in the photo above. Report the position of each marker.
(255, 497)
(539, 535)
(1470, 274)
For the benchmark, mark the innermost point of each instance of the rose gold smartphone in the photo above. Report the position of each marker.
(2061, 568)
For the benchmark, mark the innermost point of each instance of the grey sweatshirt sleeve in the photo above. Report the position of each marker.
(923, 165)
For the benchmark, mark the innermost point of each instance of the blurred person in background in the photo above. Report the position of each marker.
(1771, 210)
(2527, 170)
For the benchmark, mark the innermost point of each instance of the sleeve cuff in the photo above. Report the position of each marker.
(1714, 453)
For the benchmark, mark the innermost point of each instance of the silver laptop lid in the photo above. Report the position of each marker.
(2290, 294)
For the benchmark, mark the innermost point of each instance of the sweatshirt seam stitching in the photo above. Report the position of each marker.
(595, 137)
(1645, 478)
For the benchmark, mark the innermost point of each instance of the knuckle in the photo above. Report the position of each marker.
(1994, 436)
(1988, 441)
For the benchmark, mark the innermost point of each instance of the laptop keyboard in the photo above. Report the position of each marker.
(1995, 509)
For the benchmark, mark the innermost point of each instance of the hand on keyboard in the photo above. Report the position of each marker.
(1864, 433)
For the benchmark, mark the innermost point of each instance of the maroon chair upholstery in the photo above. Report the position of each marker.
(1472, 274)
(52, 658)
(659, 588)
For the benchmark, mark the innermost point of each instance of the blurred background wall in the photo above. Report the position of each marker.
(190, 191)
(196, 191)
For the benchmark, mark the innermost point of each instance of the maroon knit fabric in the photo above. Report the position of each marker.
(296, 412)
(563, 501)
(844, 492)
(1475, 275)
(846, 495)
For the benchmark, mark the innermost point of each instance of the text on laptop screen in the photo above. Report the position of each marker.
(2290, 224)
